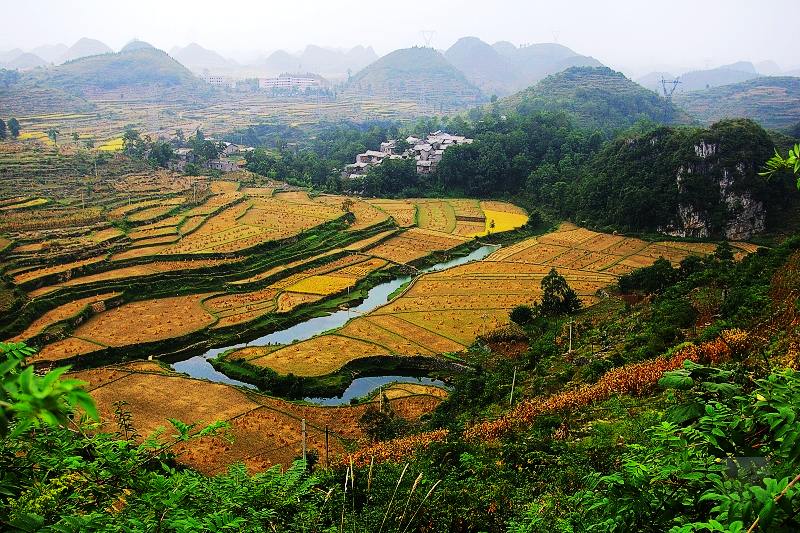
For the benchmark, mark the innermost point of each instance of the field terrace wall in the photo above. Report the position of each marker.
(266, 430)
(445, 311)
(360, 228)
(200, 279)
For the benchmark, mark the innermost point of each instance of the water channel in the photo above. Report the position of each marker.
(199, 367)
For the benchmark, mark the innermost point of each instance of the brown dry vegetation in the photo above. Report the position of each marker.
(265, 431)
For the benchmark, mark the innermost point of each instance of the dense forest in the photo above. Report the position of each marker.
(634, 180)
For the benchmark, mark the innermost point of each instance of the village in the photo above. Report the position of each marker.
(426, 152)
(230, 158)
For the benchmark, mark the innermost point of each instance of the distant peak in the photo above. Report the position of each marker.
(136, 44)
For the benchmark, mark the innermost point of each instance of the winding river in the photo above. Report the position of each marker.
(199, 367)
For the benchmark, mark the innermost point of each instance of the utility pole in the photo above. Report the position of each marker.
(513, 383)
(303, 423)
(570, 335)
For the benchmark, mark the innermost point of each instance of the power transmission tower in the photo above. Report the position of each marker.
(669, 86)
(427, 36)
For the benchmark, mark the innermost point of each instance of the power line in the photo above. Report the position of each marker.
(669, 86)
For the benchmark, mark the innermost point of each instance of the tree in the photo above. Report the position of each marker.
(76, 137)
(557, 296)
(13, 127)
(652, 279)
(2, 129)
(400, 146)
(521, 314)
(132, 143)
(778, 164)
(52, 133)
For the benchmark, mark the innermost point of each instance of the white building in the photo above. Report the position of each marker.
(300, 83)
(220, 81)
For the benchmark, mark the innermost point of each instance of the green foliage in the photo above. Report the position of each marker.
(521, 314)
(3, 130)
(652, 279)
(631, 183)
(777, 164)
(28, 401)
(13, 127)
(598, 98)
(381, 423)
(157, 153)
(391, 177)
(58, 473)
(716, 472)
(558, 297)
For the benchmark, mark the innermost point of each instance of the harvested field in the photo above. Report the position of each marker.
(60, 313)
(146, 321)
(65, 349)
(265, 431)
(317, 356)
(402, 211)
(365, 214)
(288, 301)
(65, 269)
(445, 311)
(400, 390)
(414, 244)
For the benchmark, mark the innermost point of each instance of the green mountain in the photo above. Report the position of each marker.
(684, 181)
(597, 97)
(136, 67)
(697, 80)
(419, 74)
(774, 102)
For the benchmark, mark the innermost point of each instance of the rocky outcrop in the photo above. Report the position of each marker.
(745, 215)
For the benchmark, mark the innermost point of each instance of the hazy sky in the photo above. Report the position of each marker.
(621, 33)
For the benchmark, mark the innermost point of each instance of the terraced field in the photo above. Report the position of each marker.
(38, 112)
(445, 311)
(189, 259)
(265, 430)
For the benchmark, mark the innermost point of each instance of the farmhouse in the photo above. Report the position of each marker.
(229, 159)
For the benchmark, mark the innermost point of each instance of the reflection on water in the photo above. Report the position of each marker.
(199, 367)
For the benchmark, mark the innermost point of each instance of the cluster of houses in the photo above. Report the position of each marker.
(427, 152)
(231, 158)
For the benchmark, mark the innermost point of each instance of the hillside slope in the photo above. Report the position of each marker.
(419, 74)
(774, 102)
(141, 66)
(597, 96)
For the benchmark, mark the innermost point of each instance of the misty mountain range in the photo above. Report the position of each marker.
(469, 72)
(500, 68)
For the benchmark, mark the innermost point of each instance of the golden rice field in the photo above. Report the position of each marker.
(445, 311)
(112, 145)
